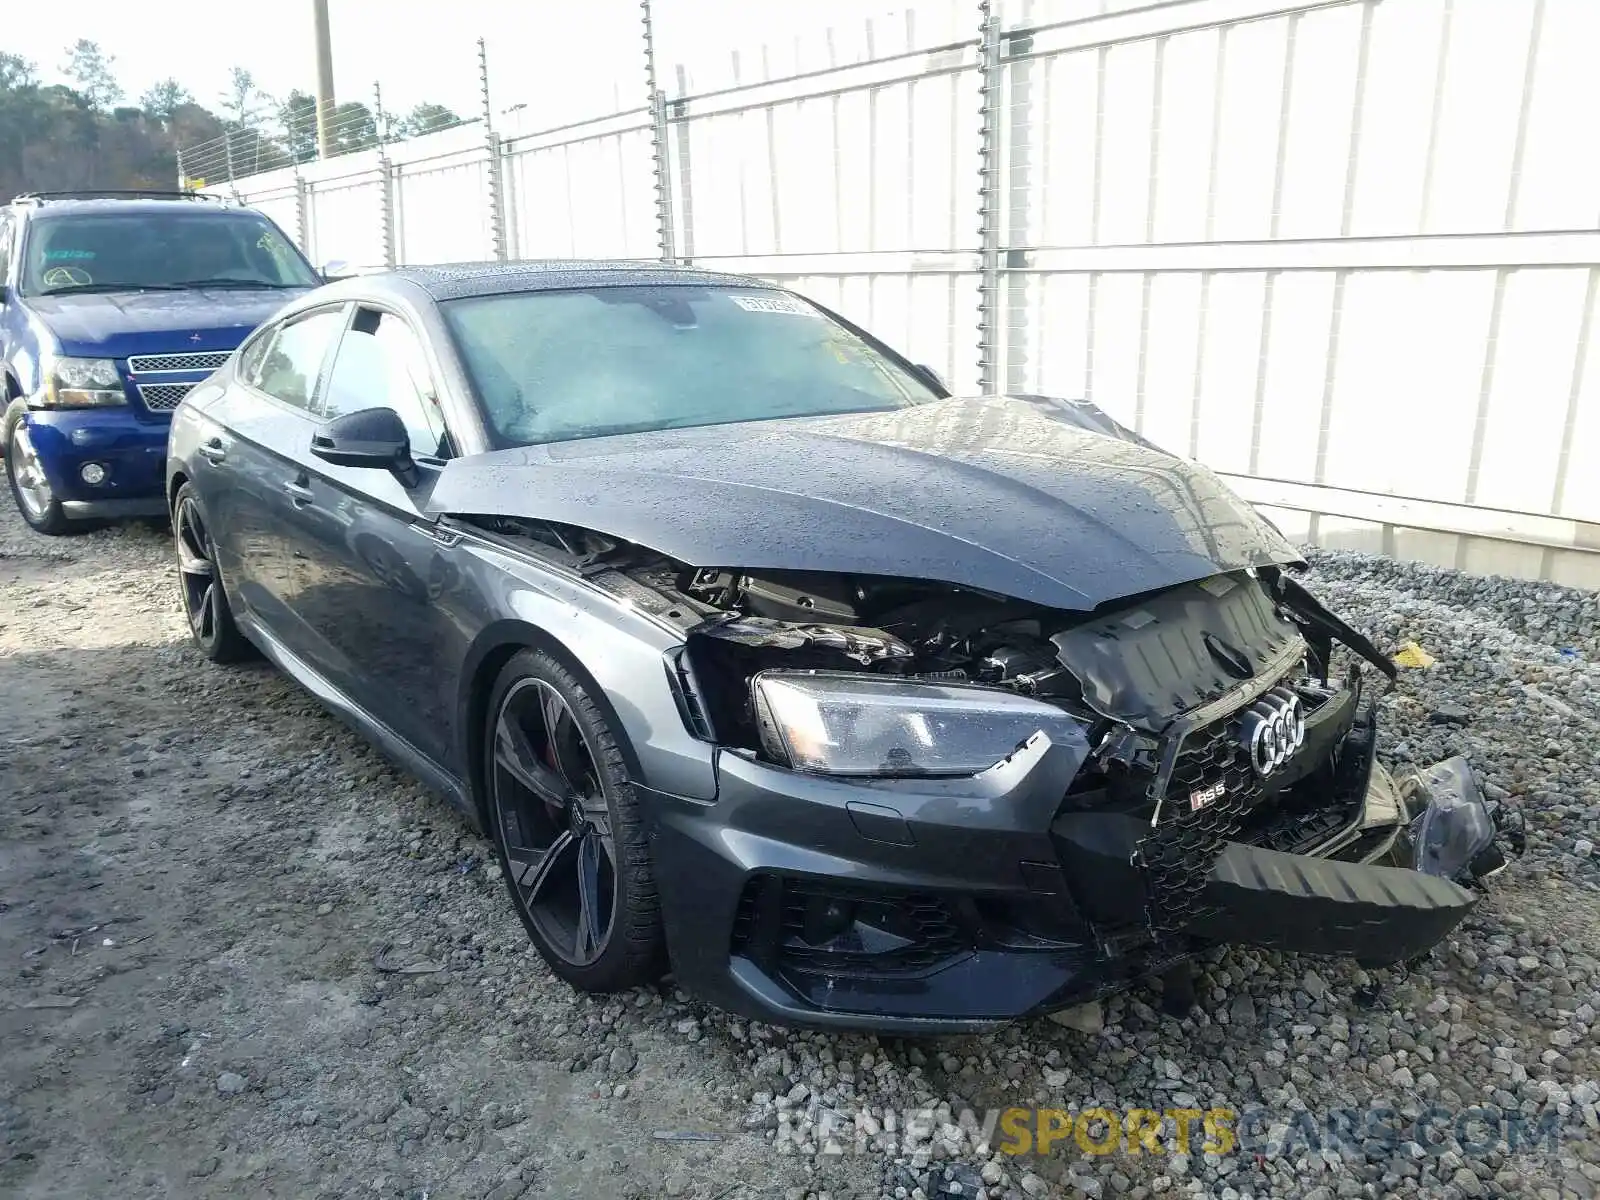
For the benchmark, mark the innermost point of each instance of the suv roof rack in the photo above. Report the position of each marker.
(113, 194)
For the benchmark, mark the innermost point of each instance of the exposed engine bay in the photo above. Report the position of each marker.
(1133, 673)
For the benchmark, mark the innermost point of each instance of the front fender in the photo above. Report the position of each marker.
(615, 649)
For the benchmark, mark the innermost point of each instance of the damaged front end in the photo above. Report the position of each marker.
(939, 806)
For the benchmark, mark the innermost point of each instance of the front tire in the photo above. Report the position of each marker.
(205, 602)
(30, 488)
(567, 829)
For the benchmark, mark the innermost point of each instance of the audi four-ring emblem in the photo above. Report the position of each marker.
(1272, 729)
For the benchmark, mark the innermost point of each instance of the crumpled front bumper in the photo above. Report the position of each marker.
(946, 906)
(1355, 897)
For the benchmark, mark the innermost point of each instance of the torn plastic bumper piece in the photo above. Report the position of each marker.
(1374, 914)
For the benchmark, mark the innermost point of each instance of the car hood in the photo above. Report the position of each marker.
(1041, 500)
(117, 324)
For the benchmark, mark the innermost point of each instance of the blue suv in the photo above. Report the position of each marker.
(112, 306)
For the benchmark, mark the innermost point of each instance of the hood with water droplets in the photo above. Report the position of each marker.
(1042, 500)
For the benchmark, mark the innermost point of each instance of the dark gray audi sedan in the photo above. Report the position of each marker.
(764, 658)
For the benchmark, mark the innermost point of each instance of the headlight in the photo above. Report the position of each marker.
(842, 724)
(81, 383)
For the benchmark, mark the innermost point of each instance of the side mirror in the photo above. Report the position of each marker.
(373, 437)
(931, 376)
(334, 269)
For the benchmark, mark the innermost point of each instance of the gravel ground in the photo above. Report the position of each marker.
(201, 874)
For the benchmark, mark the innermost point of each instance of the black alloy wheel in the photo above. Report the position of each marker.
(565, 822)
(205, 604)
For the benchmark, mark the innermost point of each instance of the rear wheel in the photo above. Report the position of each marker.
(566, 824)
(205, 604)
(30, 488)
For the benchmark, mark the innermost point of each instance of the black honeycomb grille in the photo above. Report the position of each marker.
(924, 929)
(1177, 855)
(1212, 755)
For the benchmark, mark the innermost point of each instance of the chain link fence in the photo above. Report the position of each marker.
(1342, 251)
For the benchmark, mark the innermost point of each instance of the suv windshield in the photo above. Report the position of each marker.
(105, 252)
(552, 366)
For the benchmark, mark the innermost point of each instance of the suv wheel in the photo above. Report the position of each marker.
(30, 488)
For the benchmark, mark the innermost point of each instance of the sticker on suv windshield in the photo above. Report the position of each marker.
(774, 304)
(68, 255)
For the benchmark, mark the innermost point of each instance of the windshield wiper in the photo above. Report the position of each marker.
(253, 284)
(82, 288)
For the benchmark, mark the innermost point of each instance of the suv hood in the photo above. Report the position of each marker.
(117, 324)
(1037, 499)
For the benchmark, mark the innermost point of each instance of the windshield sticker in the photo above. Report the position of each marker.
(57, 277)
(68, 255)
(774, 304)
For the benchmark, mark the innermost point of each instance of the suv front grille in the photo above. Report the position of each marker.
(163, 397)
(198, 360)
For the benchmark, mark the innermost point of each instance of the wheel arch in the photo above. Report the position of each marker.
(175, 482)
(10, 396)
(494, 648)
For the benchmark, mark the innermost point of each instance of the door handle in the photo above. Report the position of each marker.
(299, 494)
(213, 450)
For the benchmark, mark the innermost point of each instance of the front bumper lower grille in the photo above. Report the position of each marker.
(163, 397)
(798, 925)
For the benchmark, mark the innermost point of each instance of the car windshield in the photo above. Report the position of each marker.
(557, 365)
(128, 251)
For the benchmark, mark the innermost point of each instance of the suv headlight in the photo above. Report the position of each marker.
(844, 724)
(81, 383)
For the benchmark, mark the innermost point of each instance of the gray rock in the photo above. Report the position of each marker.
(230, 1084)
(1314, 986)
(1084, 1018)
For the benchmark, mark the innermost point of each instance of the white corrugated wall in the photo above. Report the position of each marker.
(1344, 251)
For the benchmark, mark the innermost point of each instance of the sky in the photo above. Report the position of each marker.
(566, 59)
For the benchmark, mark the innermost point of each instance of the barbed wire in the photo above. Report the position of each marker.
(288, 137)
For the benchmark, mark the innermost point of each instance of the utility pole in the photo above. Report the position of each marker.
(319, 9)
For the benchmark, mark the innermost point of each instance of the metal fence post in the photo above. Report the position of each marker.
(1016, 233)
(386, 180)
(302, 212)
(660, 133)
(492, 175)
(183, 178)
(684, 214)
(993, 80)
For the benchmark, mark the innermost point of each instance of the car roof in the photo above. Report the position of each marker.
(455, 281)
(186, 209)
